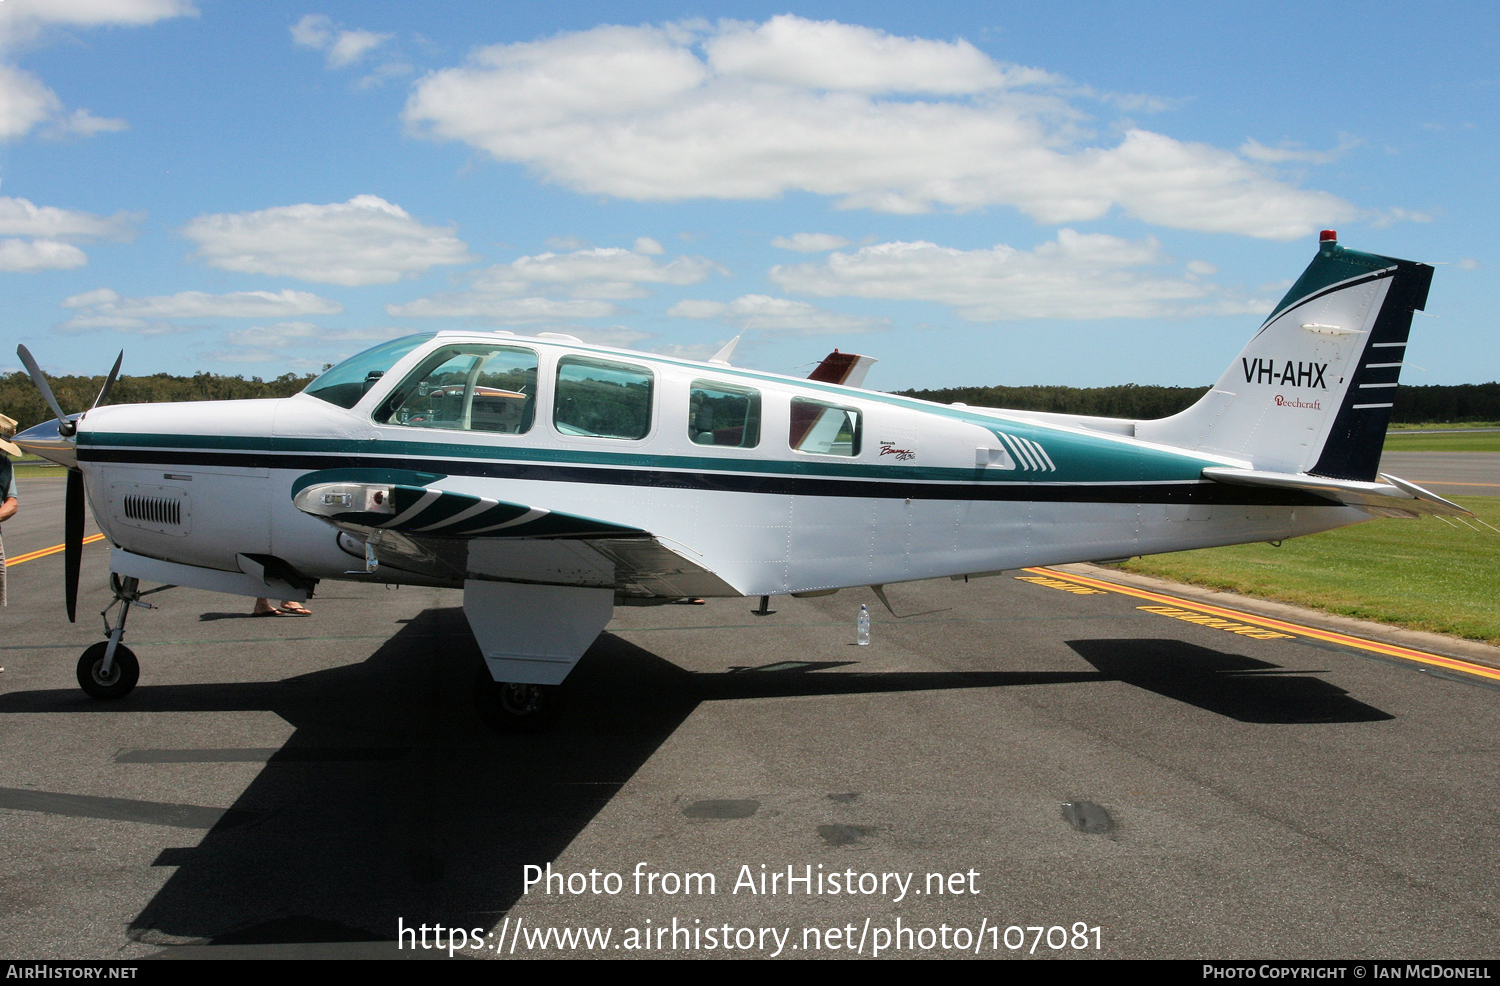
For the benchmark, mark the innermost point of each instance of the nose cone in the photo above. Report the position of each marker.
(45, 440)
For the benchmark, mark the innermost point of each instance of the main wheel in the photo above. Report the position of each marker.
(124, 671)
(510, 707)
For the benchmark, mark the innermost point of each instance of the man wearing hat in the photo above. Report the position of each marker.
(8, 502)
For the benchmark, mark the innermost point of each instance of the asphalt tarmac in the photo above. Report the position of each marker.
(1057, 757)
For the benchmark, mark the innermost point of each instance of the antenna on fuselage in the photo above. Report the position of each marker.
(722, 356)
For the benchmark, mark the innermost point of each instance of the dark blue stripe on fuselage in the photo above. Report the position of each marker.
(1184, 492)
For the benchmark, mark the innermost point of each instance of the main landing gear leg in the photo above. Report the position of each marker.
(109, 669)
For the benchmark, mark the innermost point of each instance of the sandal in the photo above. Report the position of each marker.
(293, 609)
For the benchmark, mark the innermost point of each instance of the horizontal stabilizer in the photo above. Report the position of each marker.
(1391, 494)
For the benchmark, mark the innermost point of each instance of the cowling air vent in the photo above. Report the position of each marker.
(156, 509)
(163, 509)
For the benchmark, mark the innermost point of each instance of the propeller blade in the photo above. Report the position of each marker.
(64, 426)
(109, 381)
(73, 540)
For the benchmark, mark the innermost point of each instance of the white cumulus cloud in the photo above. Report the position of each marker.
(51, 229)
(791, 51)
(601, 272)
(810, 242)
(24, 256)
(297, 344)
(1075, 275)
(366, 240)
(1291, 152)
(20, 217)
(26, 102)
(95, 13)
(776, 316)
(82, 123)
(342, 47)
(499, 309)
(104, 308)
(876, 121)
(552, 286)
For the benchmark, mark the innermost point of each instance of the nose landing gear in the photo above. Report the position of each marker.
(109, 669)
(104, 675)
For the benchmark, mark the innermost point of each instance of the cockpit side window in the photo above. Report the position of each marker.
(824, 429)
(467, 388)
(602, 399)
(346, 383)
(723, 415)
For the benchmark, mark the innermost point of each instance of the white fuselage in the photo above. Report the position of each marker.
(934, 490)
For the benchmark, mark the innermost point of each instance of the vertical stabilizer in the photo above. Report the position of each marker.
(1313, 390)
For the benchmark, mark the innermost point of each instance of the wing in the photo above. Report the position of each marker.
(452, 537)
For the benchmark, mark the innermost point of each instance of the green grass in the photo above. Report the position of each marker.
(1420, 574)
(26, 470)
(1416, 441)
(1428, 425)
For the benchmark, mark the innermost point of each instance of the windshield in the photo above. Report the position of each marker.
(346, 383)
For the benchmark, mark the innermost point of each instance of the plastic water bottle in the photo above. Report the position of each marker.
(862, 634)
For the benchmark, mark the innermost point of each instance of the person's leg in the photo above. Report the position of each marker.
(263, 607)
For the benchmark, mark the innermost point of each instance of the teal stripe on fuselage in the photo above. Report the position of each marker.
(1079, 458)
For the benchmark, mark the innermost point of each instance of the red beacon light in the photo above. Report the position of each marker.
(1328, 236)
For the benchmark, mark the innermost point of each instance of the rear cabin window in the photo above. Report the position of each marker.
(722, 415)
(467, 388)
(602, 399)
(824, 429)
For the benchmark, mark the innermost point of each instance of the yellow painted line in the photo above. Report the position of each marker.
(1330, 636)
(1218, 623)
(1073, 587)
(44, 552)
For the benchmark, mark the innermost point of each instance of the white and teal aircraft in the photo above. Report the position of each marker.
(552, 480)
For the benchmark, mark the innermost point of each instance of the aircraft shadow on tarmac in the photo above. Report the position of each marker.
(1232, 685)
(392, 800)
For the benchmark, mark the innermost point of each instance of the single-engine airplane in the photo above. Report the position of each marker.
(552, 480)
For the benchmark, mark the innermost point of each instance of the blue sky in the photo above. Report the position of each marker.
(1081, 194)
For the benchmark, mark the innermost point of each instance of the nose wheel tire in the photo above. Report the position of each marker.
(510, 707)
(124, 672)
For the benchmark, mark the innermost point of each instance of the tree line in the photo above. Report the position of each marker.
(1456, 403)
(22, 401)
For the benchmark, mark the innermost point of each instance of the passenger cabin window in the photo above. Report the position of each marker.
(824, 429)
(467, 388)
(721, 415)
(600, 399)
